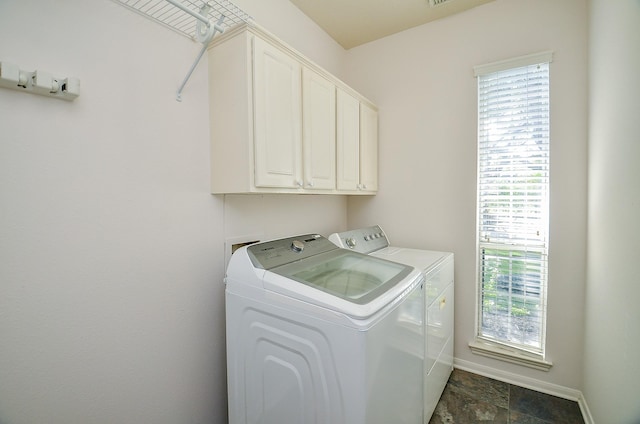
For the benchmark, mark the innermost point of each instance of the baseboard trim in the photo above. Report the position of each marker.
(586, 414)
(528, 383)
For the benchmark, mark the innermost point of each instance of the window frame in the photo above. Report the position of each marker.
(489, 346)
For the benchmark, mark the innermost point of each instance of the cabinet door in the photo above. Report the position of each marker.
(368, 148)
(347, 141)
(318, 131)
(277, 117)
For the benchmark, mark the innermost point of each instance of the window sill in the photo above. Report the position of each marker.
(512, 355)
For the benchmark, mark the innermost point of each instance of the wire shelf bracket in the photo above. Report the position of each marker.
(199, 21)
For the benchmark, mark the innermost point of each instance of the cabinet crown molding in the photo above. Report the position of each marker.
(259, 31)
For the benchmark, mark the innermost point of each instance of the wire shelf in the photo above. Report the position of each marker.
(182, 22)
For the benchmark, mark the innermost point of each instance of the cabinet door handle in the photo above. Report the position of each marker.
(310, 184)
(299, 183)
(443, 303)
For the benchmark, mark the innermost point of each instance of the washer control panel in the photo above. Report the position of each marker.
(297, 246)
(362, 240)
(274, 253)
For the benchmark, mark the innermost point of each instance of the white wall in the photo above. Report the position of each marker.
(422, 80)
(111, 247)
(611, 367)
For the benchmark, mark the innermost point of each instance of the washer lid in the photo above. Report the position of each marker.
(348, 275)
(311, 269)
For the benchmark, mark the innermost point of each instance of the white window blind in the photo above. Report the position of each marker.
(513, 186)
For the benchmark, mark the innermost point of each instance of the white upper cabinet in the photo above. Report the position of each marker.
(319, 131)
(277, 112)
(368, 148)
(278, 124)
(357, 144)
(348, 142)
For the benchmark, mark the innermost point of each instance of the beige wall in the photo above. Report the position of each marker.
(111, 302)
(611, 367)
(422, 80)
(111, 247)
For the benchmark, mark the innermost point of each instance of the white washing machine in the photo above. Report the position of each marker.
(437, 268)
(320, 334)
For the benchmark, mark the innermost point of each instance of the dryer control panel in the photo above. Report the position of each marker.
(362, 240)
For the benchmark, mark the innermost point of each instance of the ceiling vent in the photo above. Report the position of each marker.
(434, 3)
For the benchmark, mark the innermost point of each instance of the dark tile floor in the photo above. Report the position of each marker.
(470, 398)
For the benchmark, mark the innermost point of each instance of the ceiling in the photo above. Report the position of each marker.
(355, 22)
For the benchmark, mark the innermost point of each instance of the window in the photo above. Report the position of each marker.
(513, 212)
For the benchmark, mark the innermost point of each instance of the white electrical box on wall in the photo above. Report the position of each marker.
(38, 82)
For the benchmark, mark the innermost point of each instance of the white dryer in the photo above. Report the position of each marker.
(437, 268)
(319, 334)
